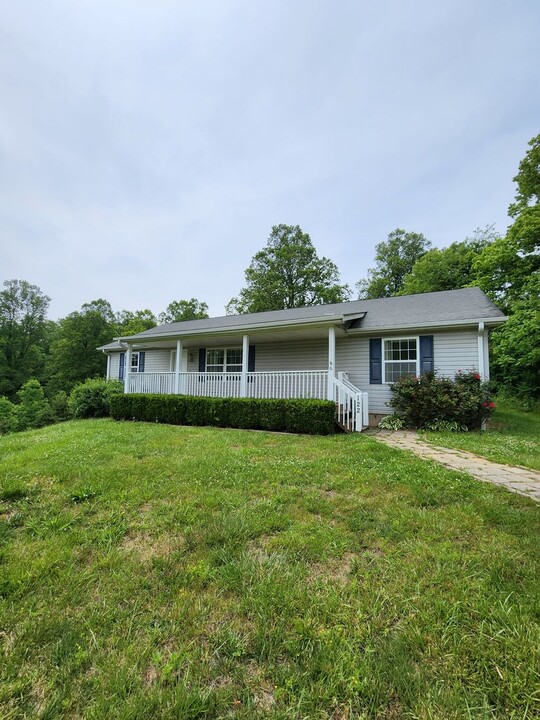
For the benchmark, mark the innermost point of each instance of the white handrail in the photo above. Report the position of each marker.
(351, 404)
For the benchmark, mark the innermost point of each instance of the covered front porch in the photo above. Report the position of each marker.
(212, 367)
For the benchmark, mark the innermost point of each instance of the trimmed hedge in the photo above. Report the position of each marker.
(313, 417)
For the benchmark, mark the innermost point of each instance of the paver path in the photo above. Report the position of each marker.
(517, 479)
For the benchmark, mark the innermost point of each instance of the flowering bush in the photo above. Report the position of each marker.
(430, 399)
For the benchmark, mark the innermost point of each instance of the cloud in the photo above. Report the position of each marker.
(148, 148)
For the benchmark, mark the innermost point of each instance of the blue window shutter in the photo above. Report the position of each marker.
(375, 361)
(122, 366)
(141, 361)
(202, 359)
(251, 358)
(427, 363)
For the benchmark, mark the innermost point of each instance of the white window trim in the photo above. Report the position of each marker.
(225, 370)
(401, 337)
(134, 354)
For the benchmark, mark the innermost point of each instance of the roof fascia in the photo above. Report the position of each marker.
(272, 325)
(473, 322)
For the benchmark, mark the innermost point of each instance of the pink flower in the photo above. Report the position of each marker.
(477, 376)
(492, 405)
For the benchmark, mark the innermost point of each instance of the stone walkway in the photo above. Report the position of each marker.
(516, 479)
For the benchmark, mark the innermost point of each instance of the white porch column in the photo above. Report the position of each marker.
(108, 375)
(178, 360)
(245, 360)
(127, 368)
(331, 361)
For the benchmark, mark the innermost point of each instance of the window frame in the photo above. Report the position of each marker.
(134, 355)
(225, 364)
(416, 338)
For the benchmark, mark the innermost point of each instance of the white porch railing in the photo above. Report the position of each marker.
(162, 383)
(275, 384)
(351, 403)
(288, 384)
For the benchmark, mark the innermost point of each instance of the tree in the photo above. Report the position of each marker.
(288, 273)
(74, 356)
(449, 268)
(508, 270)
(23, 333)
(180, 310)
(131, 323)
(516, 345)
(33, 410)
(395, 259)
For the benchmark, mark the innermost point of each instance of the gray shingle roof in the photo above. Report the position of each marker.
(449, 307)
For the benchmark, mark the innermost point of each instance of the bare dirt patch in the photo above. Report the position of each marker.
(336, 570)
(146, 547)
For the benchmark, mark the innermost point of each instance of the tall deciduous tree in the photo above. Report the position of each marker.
(23, 334)
(288, 273)
(180, 310)
(395, 259)
(509, 271)
(449, 268)
(129, 322)
(74, 356)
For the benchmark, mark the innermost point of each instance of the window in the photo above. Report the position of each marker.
(224, 360)
(134, 362)
(400, 358)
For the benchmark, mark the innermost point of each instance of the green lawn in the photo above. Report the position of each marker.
(513, 437)
(149, 571)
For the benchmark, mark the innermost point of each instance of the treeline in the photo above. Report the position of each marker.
(61, 354)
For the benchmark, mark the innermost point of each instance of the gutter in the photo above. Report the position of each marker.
(328, 319)
(473, 322)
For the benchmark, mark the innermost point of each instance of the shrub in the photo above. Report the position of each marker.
(59, 406)
(92, 398)
(8, 416)
(430, 400)
(392, 422)
(314, 417)
(33, 410)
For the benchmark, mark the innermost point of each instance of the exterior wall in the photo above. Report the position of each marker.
(157, 360)
(114, 366)
(294, 355)
(453, 351)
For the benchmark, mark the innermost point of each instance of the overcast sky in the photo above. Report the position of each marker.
(147, 147)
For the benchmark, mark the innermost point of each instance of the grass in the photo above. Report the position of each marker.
(513, 437)
(149, 571)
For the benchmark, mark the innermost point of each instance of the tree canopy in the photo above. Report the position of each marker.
(449, 268)
(395, 259)
(23, 334)
(288, 273)
(180, 310)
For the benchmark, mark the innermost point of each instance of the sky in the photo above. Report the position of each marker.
(147, 147)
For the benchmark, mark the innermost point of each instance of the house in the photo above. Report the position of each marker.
(346, 352)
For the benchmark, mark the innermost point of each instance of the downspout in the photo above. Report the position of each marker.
(481, 363)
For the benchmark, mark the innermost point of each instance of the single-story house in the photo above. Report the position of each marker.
(346, 352)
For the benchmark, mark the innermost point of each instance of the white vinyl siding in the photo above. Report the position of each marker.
(294, 355)
(158, 360)
(455, 351)
(114, 367)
